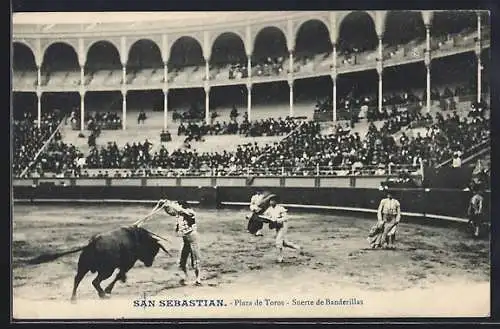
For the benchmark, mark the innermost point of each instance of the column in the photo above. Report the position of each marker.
(428, 88)
(39, 107)
(124, 109)
(428, 38)
(380, 49)
(479, 67)
(334, 57)
(165, 108)
(82, 98)
(427, 61)
(334, 97)
(290, 61)
(82, 76)
(380, 88)
(39, 76)
(82, 110)
(207, 104)
(478, 55)
(165, 72)
(207, 70)
(249, 101)
(380, 70)
(165, 95)
(290, 84)
(124, 74)
(249, 65)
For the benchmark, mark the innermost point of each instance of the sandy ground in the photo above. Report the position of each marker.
(435, 271)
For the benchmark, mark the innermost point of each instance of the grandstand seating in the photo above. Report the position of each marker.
(303, 63)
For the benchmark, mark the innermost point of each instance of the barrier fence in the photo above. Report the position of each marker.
(415, 202)
(211, 181)
(381, 171)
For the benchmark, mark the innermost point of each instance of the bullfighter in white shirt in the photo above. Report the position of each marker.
(278, 220)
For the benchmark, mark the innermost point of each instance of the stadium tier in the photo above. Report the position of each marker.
(303, 95)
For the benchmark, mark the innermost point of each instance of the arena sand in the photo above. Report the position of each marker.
(435, 272)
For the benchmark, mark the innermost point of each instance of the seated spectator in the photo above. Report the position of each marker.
(165, 136)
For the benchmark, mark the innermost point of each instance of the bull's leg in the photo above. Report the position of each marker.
(78, 278)
(120, 276)
(101, 276)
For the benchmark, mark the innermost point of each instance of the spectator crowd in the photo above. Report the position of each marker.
(97, 120)
(256, 128)
(304, 151)
(28, 138)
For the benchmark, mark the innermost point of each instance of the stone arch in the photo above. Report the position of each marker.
(357, 30)
(59, 59)
(403, 26)
(216, 36)
(343, 15)
(186, 51)
(307, 20)
(232, 45)
(23, 56)
(144, 53)
(304, 41)
(95, 59)
(111, 42)
(271, 38)
(452, 21)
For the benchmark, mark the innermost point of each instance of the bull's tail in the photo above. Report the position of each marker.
(48, 257)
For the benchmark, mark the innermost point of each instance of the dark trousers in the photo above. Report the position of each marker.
(254, 223)
(190, 248)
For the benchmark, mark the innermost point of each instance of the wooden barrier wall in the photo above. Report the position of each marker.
(349, 192)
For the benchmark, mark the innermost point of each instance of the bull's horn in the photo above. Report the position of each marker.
(163, 248)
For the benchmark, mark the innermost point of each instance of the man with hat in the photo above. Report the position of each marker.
(388, 216)
(475, 209)
(278, 219)
(186, 228)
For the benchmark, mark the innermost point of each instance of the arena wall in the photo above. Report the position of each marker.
(443, 204)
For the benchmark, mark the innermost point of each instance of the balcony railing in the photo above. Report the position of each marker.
(317, 65)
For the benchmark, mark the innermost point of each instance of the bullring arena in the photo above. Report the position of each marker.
(430, 264)
(67, 190)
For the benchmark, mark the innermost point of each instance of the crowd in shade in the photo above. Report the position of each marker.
(269, 66)
(256, 128)
(303, 152)
(238, 71)
(98, 120)
(307, 149)
(452, 135)
(28, 138)
(58, 157)
(398, 109)
(136, 155)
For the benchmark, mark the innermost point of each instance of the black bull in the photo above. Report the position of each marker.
(120, 248)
